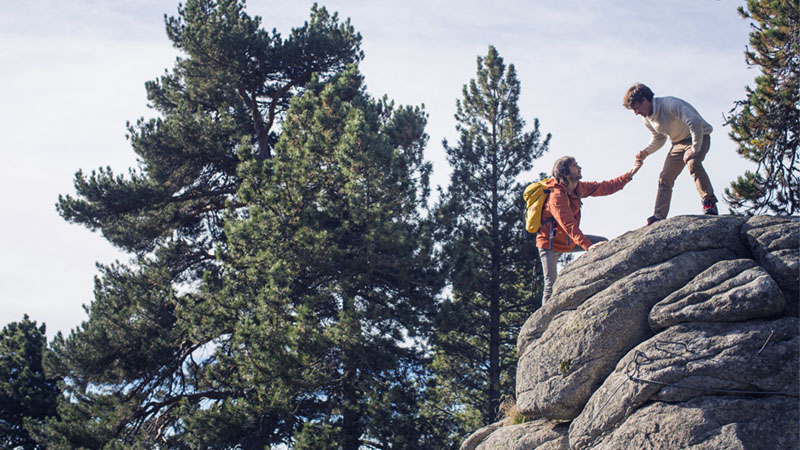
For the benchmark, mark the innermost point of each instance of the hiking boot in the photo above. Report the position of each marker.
(710, 208)
(652, 219)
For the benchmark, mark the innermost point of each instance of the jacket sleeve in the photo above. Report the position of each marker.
(608, 187)
(562, 213)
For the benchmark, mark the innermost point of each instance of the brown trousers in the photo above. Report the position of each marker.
(673, 165)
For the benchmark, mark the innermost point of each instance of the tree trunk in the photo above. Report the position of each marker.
(351, 433)
(494, 296)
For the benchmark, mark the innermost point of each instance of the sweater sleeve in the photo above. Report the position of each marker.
(563, 215)
(608, 187)
(656, 141)
(695, 124)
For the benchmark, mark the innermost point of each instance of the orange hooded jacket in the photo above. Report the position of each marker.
(565, 208)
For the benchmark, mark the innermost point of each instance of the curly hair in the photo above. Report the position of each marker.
(636, 94)
(561, 169)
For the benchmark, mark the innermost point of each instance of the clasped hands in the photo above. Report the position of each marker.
(637, 162)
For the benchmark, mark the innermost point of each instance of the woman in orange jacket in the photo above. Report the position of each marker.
(561, 216)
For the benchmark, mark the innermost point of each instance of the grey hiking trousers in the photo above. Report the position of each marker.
(549, 260)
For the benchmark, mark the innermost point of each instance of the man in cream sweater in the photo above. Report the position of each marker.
(689, 134)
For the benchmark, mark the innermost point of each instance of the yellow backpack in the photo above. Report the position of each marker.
(535, 197)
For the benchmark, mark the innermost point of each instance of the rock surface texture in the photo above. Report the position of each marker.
(680, 335)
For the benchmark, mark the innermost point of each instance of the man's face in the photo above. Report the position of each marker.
(642, 108)
(575, 172)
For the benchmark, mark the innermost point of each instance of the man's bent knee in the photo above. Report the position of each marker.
(695, 166)
(665, 183)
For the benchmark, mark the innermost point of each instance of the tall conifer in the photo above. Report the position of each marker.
(137, 366)
(495, 279)
(27, 392)
(331, 269)
(765, 124)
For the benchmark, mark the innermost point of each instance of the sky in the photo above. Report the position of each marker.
(72, 73)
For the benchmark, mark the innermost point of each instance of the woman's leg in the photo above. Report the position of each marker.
(549, 260)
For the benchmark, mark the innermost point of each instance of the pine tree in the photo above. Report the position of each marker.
(27, 393)
(495, 279)
(766, 123)
(332, 271)
(226, 97)
(131, 369)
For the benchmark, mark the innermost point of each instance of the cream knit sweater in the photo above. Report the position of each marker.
(676, 119)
